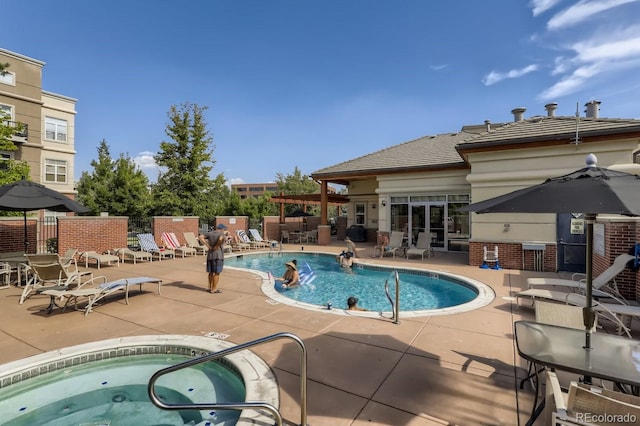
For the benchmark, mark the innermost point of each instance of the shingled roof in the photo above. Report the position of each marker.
(428, 152)
(442, 151)
(541, 128)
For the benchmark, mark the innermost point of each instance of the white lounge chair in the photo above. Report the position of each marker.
(193, 242)
(96, 292)
(127, 253)
(99, 258)
(395, 242)
(171, 241)
(423, 245)
(619, 314)
(244, 238)
(148, 244)
(258, 238)
(604, 281)
(46, 271)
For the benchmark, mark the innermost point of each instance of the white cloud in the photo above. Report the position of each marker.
(592, 57)
(541, 6)
(494, 76)
(145, 160)
(438, 67)
(234, 181)
(582, 11)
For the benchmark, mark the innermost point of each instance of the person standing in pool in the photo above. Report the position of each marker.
(291, 278)
(213, 241)
(346, 257)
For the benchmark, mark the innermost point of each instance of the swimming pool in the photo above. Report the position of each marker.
(105, 383)
(422, 292)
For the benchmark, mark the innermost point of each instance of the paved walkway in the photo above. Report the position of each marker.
(455, 369)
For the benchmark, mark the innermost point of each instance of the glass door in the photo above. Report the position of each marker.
(437, 226)
(418, 223)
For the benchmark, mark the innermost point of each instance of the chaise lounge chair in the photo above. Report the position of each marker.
(604, 285)
(171, 241)
(619, 314)
(99, 258)
(423, 245)
(244, 238)
(395, 242)
(258, 238)
(47, 272)
(96, 292)
(148, 244)
(127, 253)
(193, 242)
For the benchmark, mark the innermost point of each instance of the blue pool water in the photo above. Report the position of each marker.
(419, 290)
(114, 392)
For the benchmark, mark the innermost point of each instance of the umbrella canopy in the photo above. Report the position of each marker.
(299, 213)
(590, 190)
(25, 195)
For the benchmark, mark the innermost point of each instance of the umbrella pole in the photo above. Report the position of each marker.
(26, 239)
(587, 312)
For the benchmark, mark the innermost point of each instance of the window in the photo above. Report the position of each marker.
(55, 129)
(7, 77)
(55, 171)
(6, 110)
(360, 213)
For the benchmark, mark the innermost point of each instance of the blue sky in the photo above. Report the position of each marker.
(313, 83)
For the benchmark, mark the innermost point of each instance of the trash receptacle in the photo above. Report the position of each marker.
(357, 233)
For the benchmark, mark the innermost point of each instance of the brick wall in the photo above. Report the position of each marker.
(92, 233)
(510, 255)
(176, 224)
(271, 228)
(12, 234)
(620, 237)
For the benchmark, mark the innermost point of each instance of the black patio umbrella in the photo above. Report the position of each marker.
(591, 190)
(299, 213)
(25, 195)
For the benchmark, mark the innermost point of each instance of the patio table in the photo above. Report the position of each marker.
(610, 357)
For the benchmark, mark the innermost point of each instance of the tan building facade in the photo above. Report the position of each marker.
(46, 120)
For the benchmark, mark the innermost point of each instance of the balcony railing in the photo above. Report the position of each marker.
(22, 130)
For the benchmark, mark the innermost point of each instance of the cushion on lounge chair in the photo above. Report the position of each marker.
(148, 244)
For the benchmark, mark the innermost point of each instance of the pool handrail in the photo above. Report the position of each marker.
(236, 405)
(395, 307)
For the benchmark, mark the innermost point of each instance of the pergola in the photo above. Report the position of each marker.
(309, 200)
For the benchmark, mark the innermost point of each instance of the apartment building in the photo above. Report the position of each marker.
(247, 190)
(46, 121)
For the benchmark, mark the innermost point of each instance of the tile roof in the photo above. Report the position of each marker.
(544, 128)
(442, 151)
(425, 152)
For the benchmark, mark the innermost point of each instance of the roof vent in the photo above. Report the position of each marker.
(593, 107)
(487, 123)
(518, 113)
(551, 109)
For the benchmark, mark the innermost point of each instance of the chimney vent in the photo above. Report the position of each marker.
(551, 109)
(593, 107)
(518, 113)
(487, 123)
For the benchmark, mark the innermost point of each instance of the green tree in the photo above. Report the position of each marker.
(295, 184)
(184, 186)
(115, 186)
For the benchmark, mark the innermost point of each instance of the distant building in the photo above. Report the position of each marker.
(255, 190)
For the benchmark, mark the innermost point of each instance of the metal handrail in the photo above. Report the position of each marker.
(236, 405)
(395, 307)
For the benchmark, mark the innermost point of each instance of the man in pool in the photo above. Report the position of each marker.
(352, 304)
(346, 257)
(290, 278)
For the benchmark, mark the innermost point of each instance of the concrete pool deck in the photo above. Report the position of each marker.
(449, 369)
